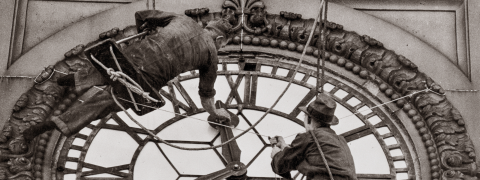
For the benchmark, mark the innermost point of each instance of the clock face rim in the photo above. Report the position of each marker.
(332, 77)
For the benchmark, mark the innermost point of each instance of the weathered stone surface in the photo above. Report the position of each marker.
(442, 127)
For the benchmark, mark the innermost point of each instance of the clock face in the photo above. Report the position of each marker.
(109, 148)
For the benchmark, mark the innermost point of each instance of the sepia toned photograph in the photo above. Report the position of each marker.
(239, 89)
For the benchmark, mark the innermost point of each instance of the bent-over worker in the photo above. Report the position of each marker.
(175, 44)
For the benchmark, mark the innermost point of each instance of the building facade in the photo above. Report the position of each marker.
(402, 72)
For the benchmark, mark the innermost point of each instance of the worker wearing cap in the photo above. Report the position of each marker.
(303, 154)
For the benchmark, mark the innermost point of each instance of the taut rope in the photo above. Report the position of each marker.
(137, 89)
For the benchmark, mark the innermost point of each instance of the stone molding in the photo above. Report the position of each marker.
(441, 126)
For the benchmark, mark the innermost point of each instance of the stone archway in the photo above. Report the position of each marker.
(441, 127)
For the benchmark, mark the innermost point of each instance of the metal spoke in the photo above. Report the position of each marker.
(356, 133)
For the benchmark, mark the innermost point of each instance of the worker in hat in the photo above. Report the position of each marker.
(303, 154)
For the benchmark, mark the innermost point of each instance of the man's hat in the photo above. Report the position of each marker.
(322, 109)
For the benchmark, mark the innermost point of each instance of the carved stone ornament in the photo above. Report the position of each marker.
(450, 150)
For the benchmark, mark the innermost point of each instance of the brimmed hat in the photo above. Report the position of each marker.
(322, 109)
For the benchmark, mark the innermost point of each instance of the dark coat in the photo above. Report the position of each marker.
(304, 156)
(179, 45)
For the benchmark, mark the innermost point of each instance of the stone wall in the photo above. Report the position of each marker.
(451, 69)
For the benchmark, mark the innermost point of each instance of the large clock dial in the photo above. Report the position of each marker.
(117, 148)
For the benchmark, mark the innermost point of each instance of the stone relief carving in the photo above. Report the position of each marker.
(441, 126)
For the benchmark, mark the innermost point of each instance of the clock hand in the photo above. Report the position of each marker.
(230, 151)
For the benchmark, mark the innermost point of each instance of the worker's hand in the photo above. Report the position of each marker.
(222, 115)
(147, 26)
(281, 142)
(275, 150)
(278, 141)
(273, 141)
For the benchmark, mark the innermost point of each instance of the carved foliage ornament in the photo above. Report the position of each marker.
(441, 126)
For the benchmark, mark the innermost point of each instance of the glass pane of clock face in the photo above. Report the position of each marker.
(120, 148)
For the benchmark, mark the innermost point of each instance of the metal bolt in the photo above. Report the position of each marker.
(236, 166)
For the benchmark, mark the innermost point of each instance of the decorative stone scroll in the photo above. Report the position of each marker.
(440, 125)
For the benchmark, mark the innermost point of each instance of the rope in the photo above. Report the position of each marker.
(319, 43)
(60, 72)
(120, 69)
(218, 124)
(290, 82)
(325, 7)
(120, 76)
(323, 40)
(49, 77)
(461, 90)
(267, 135)
(136, 90)
(163, 141)
(321, 154)
(425, 90)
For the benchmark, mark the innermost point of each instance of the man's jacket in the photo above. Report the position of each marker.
(304, 156)
(179, 45)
